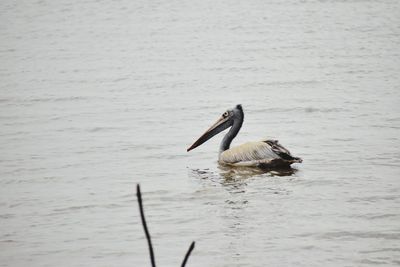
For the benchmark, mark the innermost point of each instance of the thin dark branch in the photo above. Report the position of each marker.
(146, 231)
(188, 254)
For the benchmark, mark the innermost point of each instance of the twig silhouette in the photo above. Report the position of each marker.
(188, 254)
(146, 231)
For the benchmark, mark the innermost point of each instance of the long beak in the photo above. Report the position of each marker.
(220, 125)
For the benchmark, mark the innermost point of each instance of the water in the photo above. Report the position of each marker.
(97, 96)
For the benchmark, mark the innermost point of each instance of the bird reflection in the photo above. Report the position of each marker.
(236, 177)
(233, 173)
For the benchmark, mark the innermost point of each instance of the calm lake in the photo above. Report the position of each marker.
(97, 96)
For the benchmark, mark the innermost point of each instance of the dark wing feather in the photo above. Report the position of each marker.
(280, 150)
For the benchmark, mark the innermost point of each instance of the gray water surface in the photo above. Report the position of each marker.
(97, 96)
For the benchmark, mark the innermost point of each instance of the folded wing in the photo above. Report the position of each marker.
(258, 154)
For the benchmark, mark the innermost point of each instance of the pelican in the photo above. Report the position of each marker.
(262, 154)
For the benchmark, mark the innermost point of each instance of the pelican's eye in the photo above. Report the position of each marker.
(225, 114)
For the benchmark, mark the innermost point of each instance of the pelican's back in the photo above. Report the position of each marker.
(257, 153)
(248, 152)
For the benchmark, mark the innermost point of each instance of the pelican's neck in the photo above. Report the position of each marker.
(231, 134)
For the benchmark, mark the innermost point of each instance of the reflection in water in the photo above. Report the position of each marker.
(235, 178)
(232, 183)
(230, 191)
(233, 173)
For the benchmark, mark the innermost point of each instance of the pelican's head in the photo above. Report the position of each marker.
(226, 120)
